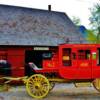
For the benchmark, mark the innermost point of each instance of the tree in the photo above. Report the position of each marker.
(76, 20)
(91, 37)
(87, 34)
(95, 21)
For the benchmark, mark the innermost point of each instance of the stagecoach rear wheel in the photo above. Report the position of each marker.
(52, 84)
(96, 84)
(37, 86)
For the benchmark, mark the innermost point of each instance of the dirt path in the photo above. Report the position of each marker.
(60, 92)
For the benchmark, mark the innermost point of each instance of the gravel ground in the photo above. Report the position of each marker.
(60, 92)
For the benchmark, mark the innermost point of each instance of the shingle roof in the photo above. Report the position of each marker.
(27, 26)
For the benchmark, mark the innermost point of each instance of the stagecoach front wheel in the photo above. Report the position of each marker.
(96, 84)
(37, 86)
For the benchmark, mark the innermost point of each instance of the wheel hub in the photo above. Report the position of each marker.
(37, 86)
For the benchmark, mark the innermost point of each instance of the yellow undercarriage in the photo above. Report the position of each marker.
(38, 86)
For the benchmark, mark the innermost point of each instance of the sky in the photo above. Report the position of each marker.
(78, 8)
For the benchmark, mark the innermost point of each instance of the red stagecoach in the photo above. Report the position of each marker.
(45, 66)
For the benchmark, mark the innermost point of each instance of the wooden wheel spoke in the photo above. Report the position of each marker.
(39, 79)
(32, 80)
(38, 93)
(33, 90)
(44, 89)
(42, 92)
(35, 79)
(35, 93)
(45, 84)
(31, 86)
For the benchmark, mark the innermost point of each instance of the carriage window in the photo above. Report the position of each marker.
(83, 54)
(98, 57)
(66, 57)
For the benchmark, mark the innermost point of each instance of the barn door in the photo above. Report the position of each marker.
(84, 63)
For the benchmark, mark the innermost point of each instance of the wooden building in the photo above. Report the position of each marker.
(27, 34)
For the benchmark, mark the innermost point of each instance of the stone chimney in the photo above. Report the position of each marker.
(49, 7)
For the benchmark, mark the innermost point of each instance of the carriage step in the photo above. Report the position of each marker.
(83, 84)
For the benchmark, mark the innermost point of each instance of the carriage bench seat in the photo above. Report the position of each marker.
(33, 66)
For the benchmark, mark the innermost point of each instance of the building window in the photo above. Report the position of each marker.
(47, 55)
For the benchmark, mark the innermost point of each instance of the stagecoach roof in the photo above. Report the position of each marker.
(28, 26)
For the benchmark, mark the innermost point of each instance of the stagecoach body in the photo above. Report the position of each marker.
(79, 61)
(46, 65)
